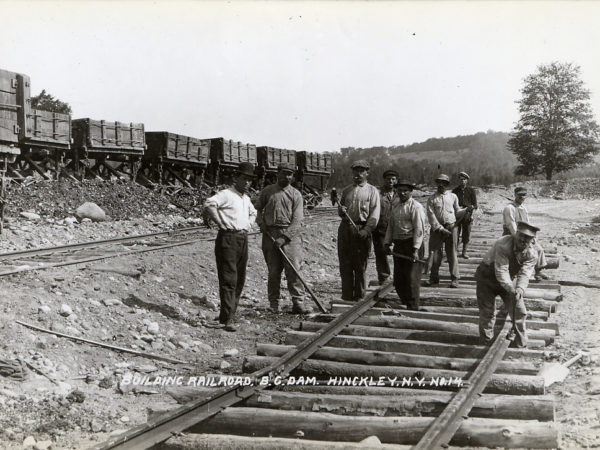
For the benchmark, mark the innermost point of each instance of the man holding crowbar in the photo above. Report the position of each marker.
(405, 231)
(280, 215)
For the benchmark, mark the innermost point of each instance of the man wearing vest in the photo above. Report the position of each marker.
(516, 212)
(405, 230)
(511, 257)
(442, 208)
(387, 195)
(234, 214)
(359, 209)
(280, 216)
(466, 199)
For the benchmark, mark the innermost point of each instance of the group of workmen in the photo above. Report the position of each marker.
(391, 221)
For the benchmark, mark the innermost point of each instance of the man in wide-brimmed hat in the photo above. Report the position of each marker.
(467, 198)
(387, 196)
(234, 214)
(442, 208)
(510, 257)
(280, 216)
(406, 226)
(359, 209)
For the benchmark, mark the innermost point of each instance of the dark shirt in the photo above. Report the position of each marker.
(466, 196)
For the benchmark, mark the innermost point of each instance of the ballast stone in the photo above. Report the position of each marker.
(91, 211)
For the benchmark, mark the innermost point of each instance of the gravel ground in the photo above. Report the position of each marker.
(166, 309)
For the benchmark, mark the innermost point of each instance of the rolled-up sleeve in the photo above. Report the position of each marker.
(251, 213)
(508, 216)
(435, 224)
(418, 222)
(374, 210)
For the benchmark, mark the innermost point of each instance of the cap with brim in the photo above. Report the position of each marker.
(527, 229)
(520, 190)
(286, 166)
(245, 168)
(390, 172)
(464, 175)
(443, 177)
(361, 163)
(406, 183)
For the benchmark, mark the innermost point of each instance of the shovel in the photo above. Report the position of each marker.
(556, 372)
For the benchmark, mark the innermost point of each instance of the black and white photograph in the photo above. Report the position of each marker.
(299, 224)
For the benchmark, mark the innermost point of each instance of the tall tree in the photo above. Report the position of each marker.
(556, 130)
(47, 102)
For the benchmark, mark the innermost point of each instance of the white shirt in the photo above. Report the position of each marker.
(234, 208)
(407, 220)
(442, 209)
(513, 213)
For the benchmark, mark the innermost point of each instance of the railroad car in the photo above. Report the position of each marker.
(172, 158)
(225, 156)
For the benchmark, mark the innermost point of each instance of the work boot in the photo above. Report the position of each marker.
(431, 283)
(464, 252)
(454, 283)
(274, 307)
(229, 326)
(301, 308)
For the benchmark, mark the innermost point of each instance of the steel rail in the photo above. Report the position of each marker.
(164, 427)
(60, 248)
(442, 429)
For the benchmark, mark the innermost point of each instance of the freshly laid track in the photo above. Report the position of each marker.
(373, 368)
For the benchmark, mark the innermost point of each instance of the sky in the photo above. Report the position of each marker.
(313, 76)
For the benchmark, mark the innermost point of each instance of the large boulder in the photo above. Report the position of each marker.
(91, 211)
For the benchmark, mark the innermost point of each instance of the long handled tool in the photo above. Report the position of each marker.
(351, 221)
(556, 372)
(408, 258)
(312, 294)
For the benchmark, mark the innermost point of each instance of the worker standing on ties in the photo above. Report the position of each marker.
(442, 208)
(466, 198)
(511, 257)
(387, 195)
(359, 209)
(280, 216)
(234, 214)
(516, 212)
(334, 196)
(405, 231)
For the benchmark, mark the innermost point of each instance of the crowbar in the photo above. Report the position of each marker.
(408, 258)
(312, 294)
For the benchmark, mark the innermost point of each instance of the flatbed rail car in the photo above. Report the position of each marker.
(173, 158)
(269, 159)
(225, 156)
(38, 139)
(121, 143)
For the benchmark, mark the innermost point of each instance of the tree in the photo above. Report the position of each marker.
(556, 130)
(47, 102)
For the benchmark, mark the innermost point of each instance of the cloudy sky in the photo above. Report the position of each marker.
(302, 75)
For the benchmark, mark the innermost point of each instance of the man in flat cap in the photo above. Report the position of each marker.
(442, 209)
(359, 209)
(510, 257)
(234, 214)
(466, 199)
(280, 216)
(405, 230)
(387, 196)
(516, 212)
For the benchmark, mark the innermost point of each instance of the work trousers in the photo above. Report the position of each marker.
(407, 275)
(541, 258)
(277, 264)
(231, 254)
(353, 253)
(487, 290)
(382, 263)
(438, 241)
(464, 230)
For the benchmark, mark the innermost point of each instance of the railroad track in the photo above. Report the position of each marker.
(374, 368)
(12, 263)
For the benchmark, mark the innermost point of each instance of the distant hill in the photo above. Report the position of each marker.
(484, 156)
